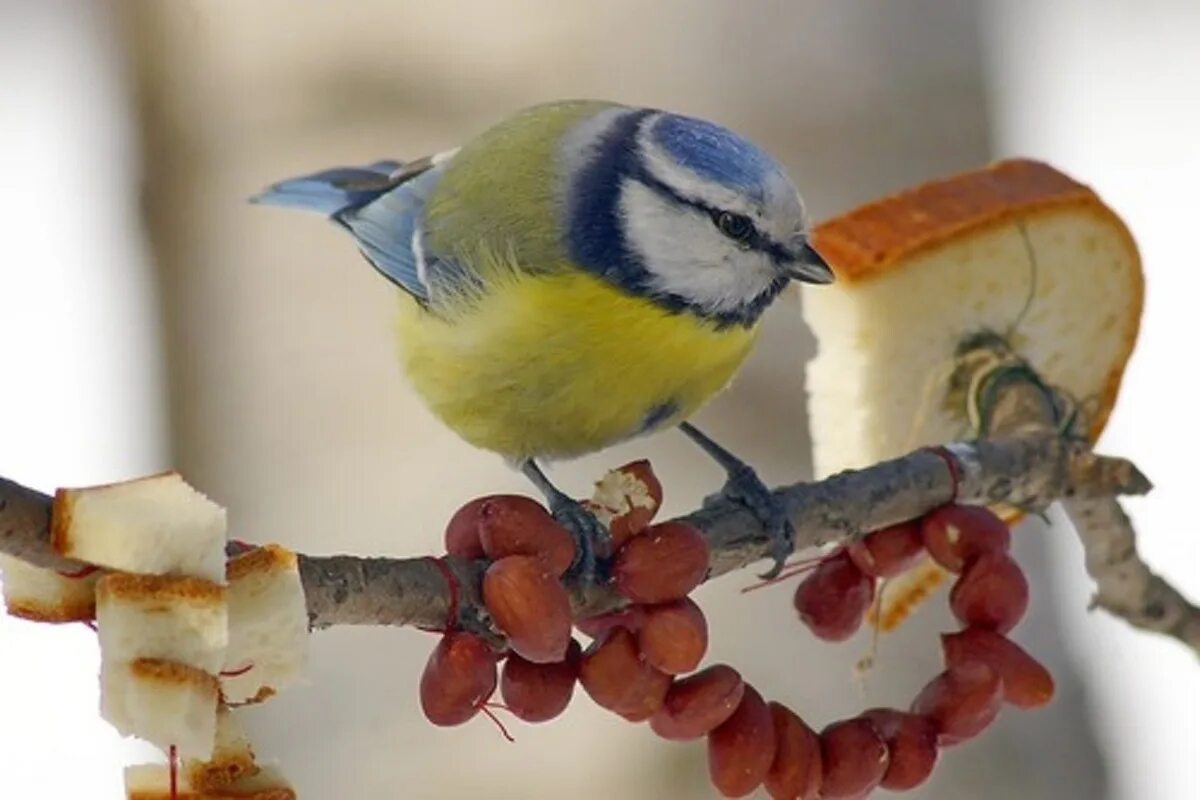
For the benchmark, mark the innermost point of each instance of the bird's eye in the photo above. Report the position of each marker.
(736, 226)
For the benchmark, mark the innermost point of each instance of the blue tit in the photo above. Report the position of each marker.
(579, 274)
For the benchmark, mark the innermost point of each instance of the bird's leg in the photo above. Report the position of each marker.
(589, 533)
(744, 486)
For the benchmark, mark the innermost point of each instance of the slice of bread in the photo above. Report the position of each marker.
(166, 617)
(153, 782)
(268, 625)
(155, 525)
(919, 272)
(232, 757)
(44, 595)
(162, 702)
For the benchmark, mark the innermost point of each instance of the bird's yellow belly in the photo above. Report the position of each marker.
(558, 366)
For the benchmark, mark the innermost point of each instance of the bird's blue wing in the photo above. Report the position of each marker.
(332, 191)
(389, 233)
(383, 206)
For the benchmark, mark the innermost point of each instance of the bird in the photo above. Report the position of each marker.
(579, 274)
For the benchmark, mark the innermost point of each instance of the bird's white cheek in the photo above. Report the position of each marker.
(687, 256)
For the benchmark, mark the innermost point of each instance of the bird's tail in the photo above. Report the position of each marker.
(332, 191)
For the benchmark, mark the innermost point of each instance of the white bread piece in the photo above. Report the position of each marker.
(153, 782)
(232, 758)
(156, 525)
(167, 617)
(621, 491)
(44, 595)
(919, 272)
(268, 625)
(162, 702)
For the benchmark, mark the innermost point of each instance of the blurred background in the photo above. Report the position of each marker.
(151, 318)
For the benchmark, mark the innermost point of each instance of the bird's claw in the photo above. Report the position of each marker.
(746, 488)
(589, 533)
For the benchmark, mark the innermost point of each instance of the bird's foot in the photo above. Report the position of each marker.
(746, 488)
(590, 535)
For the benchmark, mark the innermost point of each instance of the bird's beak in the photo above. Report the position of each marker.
(807, 265)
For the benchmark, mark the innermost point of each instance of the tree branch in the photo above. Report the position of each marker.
(1026, 460)
(1125, 586)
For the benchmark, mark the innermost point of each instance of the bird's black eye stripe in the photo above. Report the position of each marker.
(738, 227)
(741, 228)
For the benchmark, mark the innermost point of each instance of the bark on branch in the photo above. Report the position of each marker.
(1026, 459)
(1125, 586)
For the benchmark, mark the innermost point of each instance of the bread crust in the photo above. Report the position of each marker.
(886, 234)
(61, 511)
(219, 772)
(225, 793)
(35, 611)
(130, 587)
(232, 759)
(163, 671)
(231, 792)
(270, 558)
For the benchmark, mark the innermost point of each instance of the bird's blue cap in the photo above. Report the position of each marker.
(716, 153)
